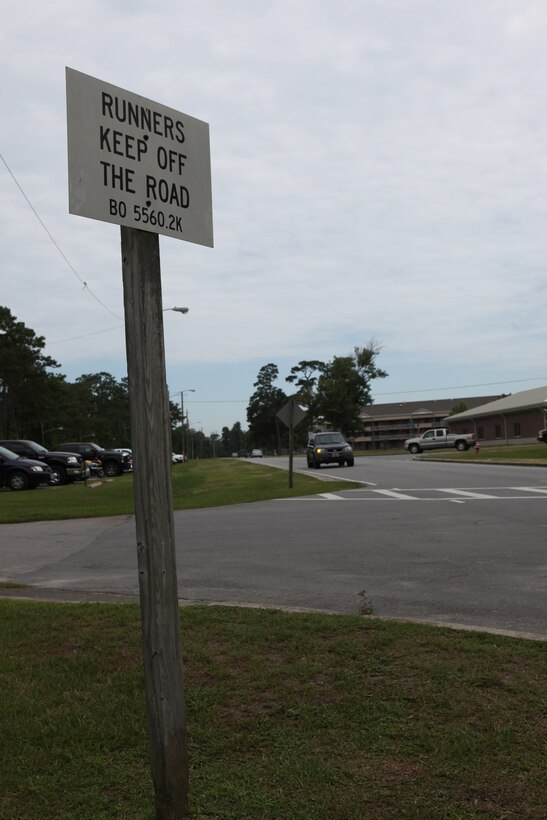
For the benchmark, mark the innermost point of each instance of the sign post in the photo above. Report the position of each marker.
(291, 414)
(146, 167)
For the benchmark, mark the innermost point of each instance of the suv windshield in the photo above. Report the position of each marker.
(329, 438)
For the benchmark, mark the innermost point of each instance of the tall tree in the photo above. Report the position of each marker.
(262, 408)
(25, 383)
(104, 409)
(304, 376)
(345, 386)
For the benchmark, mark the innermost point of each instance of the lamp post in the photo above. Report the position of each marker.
(182, 392)
(192, 438)
(45, 432)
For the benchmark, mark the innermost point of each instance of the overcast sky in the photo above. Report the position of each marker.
(379, 170)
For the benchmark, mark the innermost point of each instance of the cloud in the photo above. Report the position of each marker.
(378, 169)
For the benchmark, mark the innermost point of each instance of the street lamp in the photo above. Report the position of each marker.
(45, 432)
(182, 392)
(192, 438)
(177, 309)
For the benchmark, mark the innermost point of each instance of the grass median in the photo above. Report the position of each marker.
(207, 483)
(534, 454)
(295, 716)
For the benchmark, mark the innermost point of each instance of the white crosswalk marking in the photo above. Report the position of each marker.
(467, 494)
(393, 494)
(542, 490)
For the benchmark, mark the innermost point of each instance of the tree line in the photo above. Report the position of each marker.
(39, 403)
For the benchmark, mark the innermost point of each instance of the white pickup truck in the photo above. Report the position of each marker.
(437, 438)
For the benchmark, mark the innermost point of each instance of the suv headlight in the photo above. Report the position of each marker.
(72, 460)
(36, 469)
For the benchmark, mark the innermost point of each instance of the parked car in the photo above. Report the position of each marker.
(243, 454)
(65, 467)
(328, 448)
(542, 436)
(19, 473)
(113, 462)
(177, 458)
(256, 453)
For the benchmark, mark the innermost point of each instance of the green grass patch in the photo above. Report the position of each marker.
(208, 483)
(289, 716)
(532, 453)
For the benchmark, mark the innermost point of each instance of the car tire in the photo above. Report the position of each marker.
(112, 469)
(18, 481)
(350, 462)
(58, 476)
(316, 465)
(461, 446)
(414, 449)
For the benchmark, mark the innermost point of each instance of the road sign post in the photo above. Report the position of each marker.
(291, 414)
(146, 167)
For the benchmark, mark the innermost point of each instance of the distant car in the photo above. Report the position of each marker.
(256, 453)
(542, 436)
(235, 455)
(328, 448)
(177, 458)
(243, 454)
(17, 473)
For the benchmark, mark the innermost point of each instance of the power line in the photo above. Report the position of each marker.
(463, 386)
(84, 335)
(72, 268)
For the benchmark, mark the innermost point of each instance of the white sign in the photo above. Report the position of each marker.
(136, 163)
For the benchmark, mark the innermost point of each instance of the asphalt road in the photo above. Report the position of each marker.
(444, 543)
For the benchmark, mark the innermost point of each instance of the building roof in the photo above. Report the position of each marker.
(421, 407)
(525, 400)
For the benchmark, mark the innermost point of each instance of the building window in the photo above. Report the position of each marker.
(480, 432)
(516, 429)
(497, 430)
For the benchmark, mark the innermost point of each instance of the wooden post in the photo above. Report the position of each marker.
(151, 441)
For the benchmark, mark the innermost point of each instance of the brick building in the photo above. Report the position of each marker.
(386, 426)
(509, 420)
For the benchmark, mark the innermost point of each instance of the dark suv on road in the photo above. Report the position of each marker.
(65, 467)
(328, 448)
(113, 462)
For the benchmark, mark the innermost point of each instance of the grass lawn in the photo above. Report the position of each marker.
(527, 453)
(296, 716)
(207, 483)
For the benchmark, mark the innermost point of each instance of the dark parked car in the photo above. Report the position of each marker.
(113, 461)
(18, 473)
(65, 467)
(542, 436)
(328, 448)
(243, 454)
